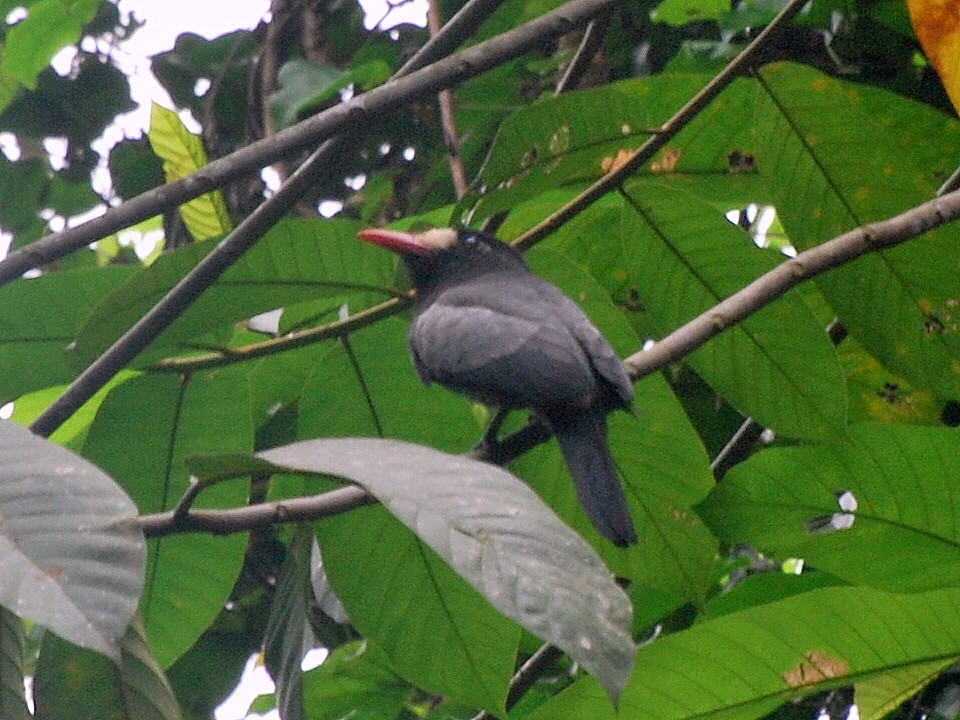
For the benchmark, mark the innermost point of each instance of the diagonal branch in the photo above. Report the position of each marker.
(758, 294)
(351, 115)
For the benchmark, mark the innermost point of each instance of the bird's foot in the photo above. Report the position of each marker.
(490, 449)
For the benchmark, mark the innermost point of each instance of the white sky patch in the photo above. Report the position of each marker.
(163, 21)
(380, 13)
(254, 682)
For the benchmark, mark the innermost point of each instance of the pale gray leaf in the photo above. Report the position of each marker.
(72, 557)
(498, 535)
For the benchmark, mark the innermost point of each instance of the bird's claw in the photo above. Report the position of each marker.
(490, 449)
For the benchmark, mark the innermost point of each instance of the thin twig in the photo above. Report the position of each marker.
(352, 115)
(183, 506)
(583, 57)
(253, 351)
(448, 121)
(665, 133)
(528, 674)
(185, 292)
(951, 183)
(737, 448)
(259, 515)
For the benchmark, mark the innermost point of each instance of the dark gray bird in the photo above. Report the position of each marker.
(486, 327)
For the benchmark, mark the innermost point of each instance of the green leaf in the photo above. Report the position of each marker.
(304, 84)
(583, 699)
(71, 433)
(183, 153)
(13, 699)
(135, 689)
(212, 668)
(41, 316)
(49, 26)
(355, 681)
(27, 180)
(142, 434)
(297, 260)
(576, 137)
(745, 664)
(72, 551)
(287, 637)
(901, 535)
(683, 12)
(439, 633)
(899, 303)
(684, 257)
(495, 532)
(470, 651)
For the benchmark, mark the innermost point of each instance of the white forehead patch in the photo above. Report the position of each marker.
(439, 238)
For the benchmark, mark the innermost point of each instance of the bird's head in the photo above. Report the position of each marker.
(443, 254)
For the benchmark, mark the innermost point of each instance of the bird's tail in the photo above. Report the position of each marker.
(583, 440)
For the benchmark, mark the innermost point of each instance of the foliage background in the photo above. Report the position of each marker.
(793, 573)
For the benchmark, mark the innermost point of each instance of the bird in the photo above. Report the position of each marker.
(485, 326)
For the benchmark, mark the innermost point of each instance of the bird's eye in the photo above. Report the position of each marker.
(470, 240)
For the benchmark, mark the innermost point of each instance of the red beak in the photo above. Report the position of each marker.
(401, 242)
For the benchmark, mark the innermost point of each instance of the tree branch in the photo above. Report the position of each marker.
(226, 522)
(330, 331)
(808, 264)
(351, 115)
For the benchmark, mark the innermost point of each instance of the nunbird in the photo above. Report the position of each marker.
(486, 327)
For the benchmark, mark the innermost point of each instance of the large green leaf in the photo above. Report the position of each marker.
(900, 303)
(72, 553)
(297, 260)
(745, 664)
(39, 320)
(49, 26)
(498, 535)
(900, 536)
(303, 85)
(684, 257)
(141, 435)
(577, 137)
(78, 684)
(355, 681)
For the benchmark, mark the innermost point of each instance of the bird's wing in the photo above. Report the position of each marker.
(602, 357)
(499, 358)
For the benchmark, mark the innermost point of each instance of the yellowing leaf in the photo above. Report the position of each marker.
(182, 153)
(814, 669)
(937, 24)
